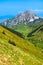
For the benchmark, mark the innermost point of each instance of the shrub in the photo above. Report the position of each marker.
(11, 42)
(3, 32)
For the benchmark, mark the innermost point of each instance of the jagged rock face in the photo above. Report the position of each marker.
(27, 16)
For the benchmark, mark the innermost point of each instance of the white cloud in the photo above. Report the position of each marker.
(36, 10)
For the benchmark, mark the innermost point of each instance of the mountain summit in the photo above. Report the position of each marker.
(27, 16)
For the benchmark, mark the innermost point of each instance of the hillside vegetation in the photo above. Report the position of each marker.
(32, 31)
(24, 29)
(15, 50)
(36, 36)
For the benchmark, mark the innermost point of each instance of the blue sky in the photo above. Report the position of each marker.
(14, 7)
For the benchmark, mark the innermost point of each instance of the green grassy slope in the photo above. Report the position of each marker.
(17, 51)
(37, 36)
(22, 28)
(27, 29)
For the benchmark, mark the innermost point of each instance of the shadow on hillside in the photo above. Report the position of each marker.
(15, 32)
(31, 34)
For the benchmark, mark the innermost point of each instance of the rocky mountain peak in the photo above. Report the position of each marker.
(28, 12)
(26, 16)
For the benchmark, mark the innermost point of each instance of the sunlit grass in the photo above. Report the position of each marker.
(24, 53)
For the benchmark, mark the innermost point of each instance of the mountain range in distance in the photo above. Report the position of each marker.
(26, 16)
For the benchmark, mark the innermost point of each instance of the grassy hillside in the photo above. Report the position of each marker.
(15, 50)
(22, 28)
(36, 36)
(32, 30)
